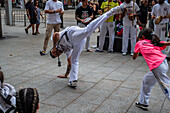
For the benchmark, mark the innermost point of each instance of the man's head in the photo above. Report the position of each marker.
(145, 2)
(127, 1)
(36, 3)
(161, 1)
(154, 2)
(56, 53)
(84, 3)
(57, 50)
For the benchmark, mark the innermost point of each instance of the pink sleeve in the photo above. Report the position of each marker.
(163, 47)
(137, 49)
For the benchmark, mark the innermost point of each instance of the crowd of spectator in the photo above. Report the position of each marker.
(116, 26)
(123, 26)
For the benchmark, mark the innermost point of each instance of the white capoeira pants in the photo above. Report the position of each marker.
(78, 38)
(104, 27)
(125, 41)
(88, 38)
(160, 31)
(156, 75)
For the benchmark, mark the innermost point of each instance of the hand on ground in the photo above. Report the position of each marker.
(62, 76)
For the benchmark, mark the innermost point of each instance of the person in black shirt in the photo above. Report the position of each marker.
(82, 13)
(151, 24)
(144, 13)
(32, 16)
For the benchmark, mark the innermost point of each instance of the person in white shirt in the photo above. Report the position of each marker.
(54, 9)
(72, 40)
(162, 8)
(128, 28)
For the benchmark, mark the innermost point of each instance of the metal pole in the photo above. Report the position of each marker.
(8, 10)
(25, 20)
(23, 4)
(0, 25)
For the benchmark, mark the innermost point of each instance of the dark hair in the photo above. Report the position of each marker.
(148, 34)
(155, 1)
(1, 76)
(27, 100)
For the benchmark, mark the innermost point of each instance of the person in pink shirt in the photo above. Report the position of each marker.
(150, 47)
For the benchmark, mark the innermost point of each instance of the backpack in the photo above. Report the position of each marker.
(7, 98)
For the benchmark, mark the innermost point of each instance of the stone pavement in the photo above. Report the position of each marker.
(108, 83)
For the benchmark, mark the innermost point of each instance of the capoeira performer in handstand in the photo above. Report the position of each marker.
(72, 40)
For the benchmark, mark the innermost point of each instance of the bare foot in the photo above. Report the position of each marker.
(62, 76)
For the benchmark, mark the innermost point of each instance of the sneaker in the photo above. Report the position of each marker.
(124, 54)
(131, 54)
(111, 51)
(73, 84)
(142, 106)
(26, 31)
(42, 52)
(98, 50)
(34, 33)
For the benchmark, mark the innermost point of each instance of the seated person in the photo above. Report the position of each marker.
(7, 96)
(119, 25)
(24, 101)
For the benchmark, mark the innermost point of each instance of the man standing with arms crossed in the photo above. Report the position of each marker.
(82, 13)
(53, 9)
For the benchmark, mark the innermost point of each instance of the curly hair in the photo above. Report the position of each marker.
(27, 100)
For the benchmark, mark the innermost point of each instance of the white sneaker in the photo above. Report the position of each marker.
(142, 106)
(131, 54)
(73, 84)
(123, 53)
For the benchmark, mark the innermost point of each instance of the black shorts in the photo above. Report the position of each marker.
(33, 20)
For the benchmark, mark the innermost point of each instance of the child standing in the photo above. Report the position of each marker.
(150, 47)
(38, 18)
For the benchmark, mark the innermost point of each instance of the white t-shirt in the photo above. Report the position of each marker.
(66, 45)
(53, 18)
(161, 10)
(129, 7)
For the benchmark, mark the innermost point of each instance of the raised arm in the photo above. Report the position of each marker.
(166, 43)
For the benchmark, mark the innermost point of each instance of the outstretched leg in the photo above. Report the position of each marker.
(92, 26)
(82, 33)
